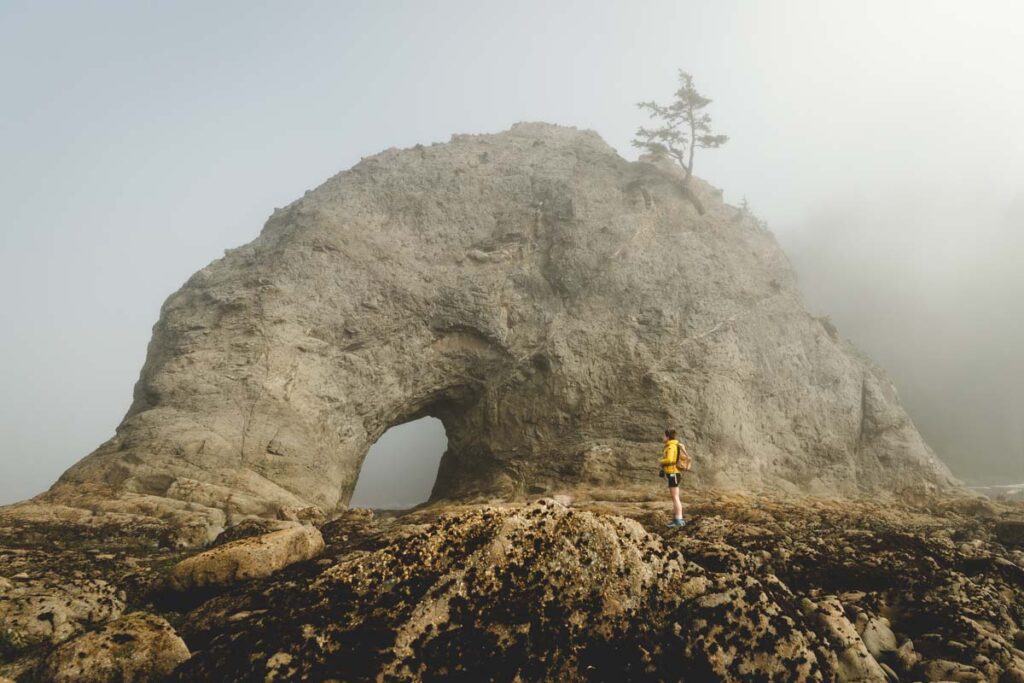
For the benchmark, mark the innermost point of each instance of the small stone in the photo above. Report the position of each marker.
(309, 514)
(946, 670)
(878, 636)
(277, 666)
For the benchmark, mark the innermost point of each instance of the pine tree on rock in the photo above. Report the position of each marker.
(685, 126)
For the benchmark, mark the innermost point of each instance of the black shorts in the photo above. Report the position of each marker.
(673, 481)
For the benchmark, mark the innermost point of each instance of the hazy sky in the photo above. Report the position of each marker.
(882, 141)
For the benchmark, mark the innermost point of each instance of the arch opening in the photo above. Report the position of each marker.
(400, 469)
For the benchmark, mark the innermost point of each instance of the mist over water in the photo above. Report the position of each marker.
(932, 290)
(880, 141)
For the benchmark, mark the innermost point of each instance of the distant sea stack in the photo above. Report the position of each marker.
(554, 305)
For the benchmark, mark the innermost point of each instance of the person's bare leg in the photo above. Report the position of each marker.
(677, 506)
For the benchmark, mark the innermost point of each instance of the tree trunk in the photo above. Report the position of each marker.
(693, 144)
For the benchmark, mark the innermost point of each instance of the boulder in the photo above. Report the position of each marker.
(945, 670)
(907, 656)
(552, 303)
(854, 660)
(137, 647)
(1010, 532)
(877, 634)
(43, 611)
(247, 558)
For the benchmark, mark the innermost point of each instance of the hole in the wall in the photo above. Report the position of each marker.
(400, 469)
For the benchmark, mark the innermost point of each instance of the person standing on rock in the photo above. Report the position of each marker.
(674, 461)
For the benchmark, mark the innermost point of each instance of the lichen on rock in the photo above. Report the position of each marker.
(137, 647)
(537, 593)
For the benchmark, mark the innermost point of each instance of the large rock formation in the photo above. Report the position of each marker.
(753, 588)
(555, 305)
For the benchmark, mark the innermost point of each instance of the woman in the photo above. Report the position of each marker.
(674, 461)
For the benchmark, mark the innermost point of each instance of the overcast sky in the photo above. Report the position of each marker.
(882, 141)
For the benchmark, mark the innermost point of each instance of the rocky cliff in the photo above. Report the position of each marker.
(555, 305)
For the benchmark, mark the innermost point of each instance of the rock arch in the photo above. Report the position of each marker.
(400, 469)
(554, 305)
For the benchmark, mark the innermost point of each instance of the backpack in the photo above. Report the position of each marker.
(681, 464)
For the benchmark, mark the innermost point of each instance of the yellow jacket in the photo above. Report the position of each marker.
(674, 458)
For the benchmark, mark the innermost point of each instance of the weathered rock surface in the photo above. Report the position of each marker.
(877, 635)
(1011, 532)
(555, 305)
(853, 662)
(138, 647)
(753, 588)
(538, 593)
(254, 526)
(247, 558)
(39, 611)
(311, 514)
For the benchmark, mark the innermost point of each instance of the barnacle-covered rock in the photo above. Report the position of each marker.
(137, 647)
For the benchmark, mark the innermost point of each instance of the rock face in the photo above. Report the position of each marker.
(138, 647)
(553, 304)
(35, 611)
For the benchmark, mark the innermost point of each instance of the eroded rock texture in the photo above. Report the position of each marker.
(541, 593)
(138, 647)
(754, 588)
(555, 305)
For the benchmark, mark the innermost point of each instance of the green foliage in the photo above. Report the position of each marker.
(683, 126)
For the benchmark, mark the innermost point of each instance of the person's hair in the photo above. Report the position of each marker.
(670, 433)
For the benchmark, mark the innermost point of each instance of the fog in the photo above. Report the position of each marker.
(400, 469)
(880, 141)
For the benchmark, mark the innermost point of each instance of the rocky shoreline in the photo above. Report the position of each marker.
(753, 588)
